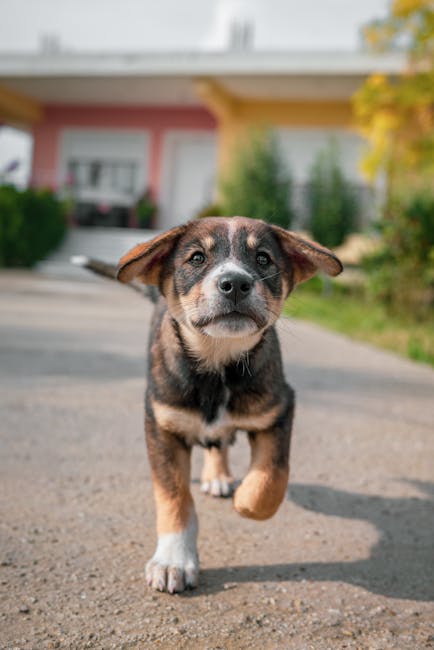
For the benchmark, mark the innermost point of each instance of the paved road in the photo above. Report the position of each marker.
(348, 561)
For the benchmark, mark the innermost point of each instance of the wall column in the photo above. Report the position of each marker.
(225, 109)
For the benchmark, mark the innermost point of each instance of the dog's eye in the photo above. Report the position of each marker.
(263, 259)
(197, 258)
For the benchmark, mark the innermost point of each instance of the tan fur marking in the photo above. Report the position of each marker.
(191, 426)
(252, 241)
(264, 487)
(174, 509)
(189, 304)
(170, 349)
(285, 291)
(274, 304)
(209, 243)
(176, 420)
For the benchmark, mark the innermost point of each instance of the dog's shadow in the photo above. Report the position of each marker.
(400, 563)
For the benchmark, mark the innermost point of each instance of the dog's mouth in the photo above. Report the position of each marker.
(233, 323)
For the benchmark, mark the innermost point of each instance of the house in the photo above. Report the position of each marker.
(109, 127)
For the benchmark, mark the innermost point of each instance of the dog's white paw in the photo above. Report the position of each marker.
(172, 579)
(175, 563)
(218, 487)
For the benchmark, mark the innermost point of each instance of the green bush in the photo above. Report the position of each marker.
(11, 226)
(258, 185)
(145, 209)
(32, 224)
(210, 210)
(331, 200)
(401, 274)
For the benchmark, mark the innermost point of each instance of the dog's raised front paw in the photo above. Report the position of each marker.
(223, 486)
(261, 493)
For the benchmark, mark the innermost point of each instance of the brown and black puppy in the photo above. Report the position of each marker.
(215, 368)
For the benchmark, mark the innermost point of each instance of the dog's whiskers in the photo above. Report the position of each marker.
(244, 361)
(284, 325)
(267, 277)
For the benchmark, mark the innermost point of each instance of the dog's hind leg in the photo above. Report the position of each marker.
(175, 564)
(216, 477)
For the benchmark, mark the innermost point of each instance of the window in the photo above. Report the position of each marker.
(111, 181)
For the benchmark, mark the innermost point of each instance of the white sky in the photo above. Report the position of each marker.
(183, 24)
(128, 25)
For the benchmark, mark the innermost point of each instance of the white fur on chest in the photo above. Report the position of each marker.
(221, 428)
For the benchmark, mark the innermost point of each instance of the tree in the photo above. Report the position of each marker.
(331, 199)
(396, 114)
(258, 184)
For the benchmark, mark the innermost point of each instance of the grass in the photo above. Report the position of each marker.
(351, 313)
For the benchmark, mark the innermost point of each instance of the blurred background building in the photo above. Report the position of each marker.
(109, 128)
(137, 115)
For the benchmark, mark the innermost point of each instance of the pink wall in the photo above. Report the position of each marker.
(155, 120)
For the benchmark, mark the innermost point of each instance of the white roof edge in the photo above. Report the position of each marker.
(198, 63)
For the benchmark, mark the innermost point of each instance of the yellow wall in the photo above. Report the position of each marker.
(236, 116)
(17, 109)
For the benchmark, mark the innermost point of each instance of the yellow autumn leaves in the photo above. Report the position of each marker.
(396, 114)
(403, 8)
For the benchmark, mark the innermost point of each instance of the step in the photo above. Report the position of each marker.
(106, 244)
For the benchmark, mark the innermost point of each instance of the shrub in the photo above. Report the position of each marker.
(402, 273)
(331, 200)
(12, 245)
(258, 184)
(32, 223)
(210, 210)
(145, 210)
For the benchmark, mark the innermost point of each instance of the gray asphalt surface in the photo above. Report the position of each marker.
(348, 562)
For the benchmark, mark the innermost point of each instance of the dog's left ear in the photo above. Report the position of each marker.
(307, 257)
(144, 261)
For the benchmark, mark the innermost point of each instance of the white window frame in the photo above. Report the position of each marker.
(129, 145)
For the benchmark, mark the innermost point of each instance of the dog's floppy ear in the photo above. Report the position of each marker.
(307, 257)
(144, 261)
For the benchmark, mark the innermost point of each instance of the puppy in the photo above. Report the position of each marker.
(215, 368)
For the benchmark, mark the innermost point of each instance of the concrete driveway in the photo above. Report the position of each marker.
(348, 562)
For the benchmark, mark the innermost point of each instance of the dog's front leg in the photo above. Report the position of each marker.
(175, 564)
(264, 487)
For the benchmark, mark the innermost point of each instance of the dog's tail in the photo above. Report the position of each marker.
(98, 267)
(110, 271)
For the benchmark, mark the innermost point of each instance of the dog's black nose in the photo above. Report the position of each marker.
(235, 286)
